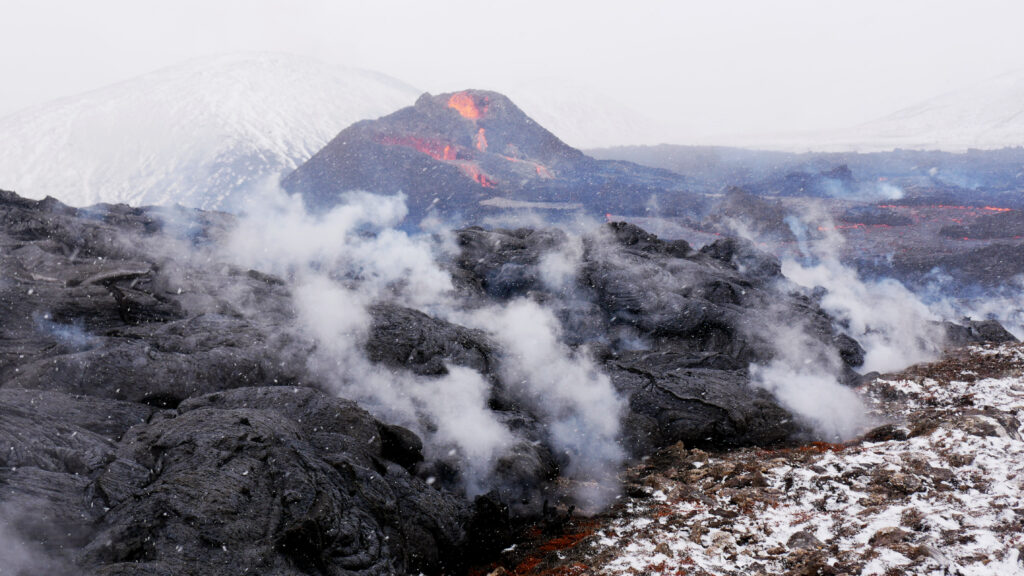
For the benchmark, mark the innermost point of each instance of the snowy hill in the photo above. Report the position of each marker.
(987, 115)
(194, 134)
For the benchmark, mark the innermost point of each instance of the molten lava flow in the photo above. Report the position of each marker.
(484, 181)
(994, 209)
(481, 140)
(473, 172)
(434, 148)
(466, 105)
(540, 169)
(853, 226)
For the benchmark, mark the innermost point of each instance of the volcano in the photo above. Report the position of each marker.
(473, 153)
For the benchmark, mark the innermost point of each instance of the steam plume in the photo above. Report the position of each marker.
(343, 261)
(895, 328)
(803, 377)
(577, 402)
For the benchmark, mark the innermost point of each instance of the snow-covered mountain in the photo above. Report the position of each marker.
(986, 115)
(196, 134)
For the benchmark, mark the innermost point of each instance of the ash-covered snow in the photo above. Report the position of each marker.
(938, 490)
(197, 134)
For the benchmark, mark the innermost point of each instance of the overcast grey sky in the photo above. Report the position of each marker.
(722, 66)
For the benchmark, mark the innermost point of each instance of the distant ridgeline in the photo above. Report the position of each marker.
(907, 176)
(473, 154)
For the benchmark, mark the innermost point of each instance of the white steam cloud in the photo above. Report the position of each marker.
(449, 412)
(863, 191)
(812, 392)
(342, 262)
(804, 376)
(356, 239)
(1004, 304)
(892, 325)
(559, 268)
(895, 328)
(577, 401)
(22, 556)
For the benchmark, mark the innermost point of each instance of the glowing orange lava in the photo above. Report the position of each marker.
(436, 149)
(473, 172)
(466, 105)
(954, 207)
(540, 169)
(853, 226)
(481, 140)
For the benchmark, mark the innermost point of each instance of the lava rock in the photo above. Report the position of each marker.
(970, 331)
(887, 432)
(698, 406)
(280, 479)
(804, 540)
(410, 339)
